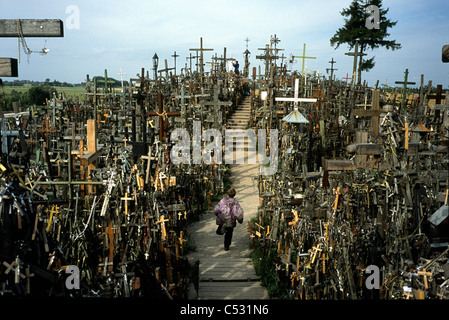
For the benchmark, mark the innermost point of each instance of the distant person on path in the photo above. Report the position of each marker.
(236, 67)
(228, 211)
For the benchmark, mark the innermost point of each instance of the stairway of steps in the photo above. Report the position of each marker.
(240, 118)
(230, 275)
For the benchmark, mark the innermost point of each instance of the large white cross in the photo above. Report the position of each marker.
(296, 98)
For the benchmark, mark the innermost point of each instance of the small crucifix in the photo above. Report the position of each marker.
(163, 230)
(126, 199)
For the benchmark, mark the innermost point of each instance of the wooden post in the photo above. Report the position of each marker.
(21, 28)
(425, 274)
(438, 96)
(374, 113)
(8, 67)
(43, 28)
(91, 136)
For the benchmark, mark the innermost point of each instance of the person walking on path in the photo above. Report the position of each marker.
(228, 211)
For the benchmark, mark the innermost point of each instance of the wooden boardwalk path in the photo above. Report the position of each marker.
(229, 275)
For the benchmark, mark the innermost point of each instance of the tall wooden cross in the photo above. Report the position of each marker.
(163, 115)
(201, 49)
(218, 115)
(267, 56)
(355, 54)
(303, 57)
(191, 58)
(166, 70)
(374, 113)
(331, 69)
(438, 96)
(404, 87)
(175, 56)
(21, 28)
(275, 40)
(106, 81)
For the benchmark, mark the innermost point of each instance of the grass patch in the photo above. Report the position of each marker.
(264, 260)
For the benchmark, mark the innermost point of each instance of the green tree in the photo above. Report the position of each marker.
(6, 99)
(355, 30)
(37, 95)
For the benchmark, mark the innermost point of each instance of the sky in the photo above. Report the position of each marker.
(124, 35)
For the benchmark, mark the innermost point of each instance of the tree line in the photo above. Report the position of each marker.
(47, 82)
(36, 95)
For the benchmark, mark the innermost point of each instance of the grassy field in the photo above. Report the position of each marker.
(69, 92)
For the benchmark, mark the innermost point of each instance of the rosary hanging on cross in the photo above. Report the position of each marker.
(27, 50)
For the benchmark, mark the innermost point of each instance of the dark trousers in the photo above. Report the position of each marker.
(228, 236)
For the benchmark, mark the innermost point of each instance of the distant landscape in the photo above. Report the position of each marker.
(38, 92)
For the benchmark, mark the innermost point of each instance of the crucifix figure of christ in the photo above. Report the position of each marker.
(404, 87)
(201, 49)
(355, 54)
(268, 56)
(163, 116)
(47, 129)
(22, 28)
(303, 57)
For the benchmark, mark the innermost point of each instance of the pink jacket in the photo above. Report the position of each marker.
(228, 211)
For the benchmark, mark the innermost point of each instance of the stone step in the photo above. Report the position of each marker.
(230, 269)
(237, 290)
(238, 120)
(241, 113)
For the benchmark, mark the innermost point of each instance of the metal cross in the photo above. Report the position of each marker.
(247, 40)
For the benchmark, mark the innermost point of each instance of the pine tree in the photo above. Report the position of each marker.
(355, 30)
